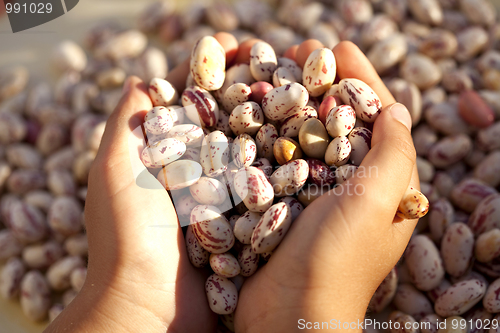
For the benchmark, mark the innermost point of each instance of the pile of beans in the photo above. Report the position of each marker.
(213, 159)
(440, 58)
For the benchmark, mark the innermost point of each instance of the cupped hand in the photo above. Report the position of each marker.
(139, 275)
(342, 245)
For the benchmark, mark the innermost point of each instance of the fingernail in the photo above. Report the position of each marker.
(401, 114)
(127, 85)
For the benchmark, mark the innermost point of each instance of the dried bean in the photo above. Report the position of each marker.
(10, 278)
(35, 296)
(424, 263)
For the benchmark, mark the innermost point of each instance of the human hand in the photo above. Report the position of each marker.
(342, 246)
(139, 276)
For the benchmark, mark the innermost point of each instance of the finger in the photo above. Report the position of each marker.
(352, 63)
(305, 49)
(291, 53)
(177, 77)
(390, 163)
(243, 54)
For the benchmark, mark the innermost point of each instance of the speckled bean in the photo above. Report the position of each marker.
(289, 178)
(411, 301)
(35, 296)
(180, 174)
(214, 154)
(295, 206)
(424, 263)
(22, 181)
(338, 151)
(254, 189)
(60, 182)
(243, 150)
(426, 11)
(10, 278)
(360, 139)
(263, 61)
(200, 107)
(291, 125)
(208, 63)
(429, 323)
(13, 128)
(271, 228)
(436, 292)
(246, 118)
(320, 173)
(248, 260)
(444, 117)
(158, 120)
(27, 222)
(319, 71)
(487, 246)
(413, 205)
(265, 139)
(450, 150)
(224, 264)
(340, 121)
(488, 170)
(388, 52)
(405, 322)
(408, 94)
(190, 135)
(208, 191)
(460, 297)
(58, 274)
(441, 216)
(362, 98)
(486, 214)
(283, 102)
(235, 95)
(162, 152)
(41, 256)
(479, 11)
(457, 248)
(198, 256)
(245, 226)
(471, 41)
(9, 245)
(222, 294)
(211, 228)
(282, 76)
(420, 70)
(64, 215)
(467, 195)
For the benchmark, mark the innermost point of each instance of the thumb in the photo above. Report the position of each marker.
(118, 158)
(391, 160)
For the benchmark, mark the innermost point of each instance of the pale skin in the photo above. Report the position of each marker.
(328, 266)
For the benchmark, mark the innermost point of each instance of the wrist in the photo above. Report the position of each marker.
(101, 308)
